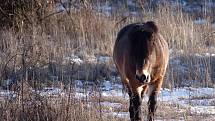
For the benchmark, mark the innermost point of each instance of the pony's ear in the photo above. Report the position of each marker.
(149, 30)
(151, 26)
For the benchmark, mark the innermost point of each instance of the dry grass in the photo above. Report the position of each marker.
(35, 51)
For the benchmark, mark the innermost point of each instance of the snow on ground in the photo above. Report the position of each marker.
(78, 60)
(200, 21)
(213, 25)
(197, 100)
(107, 88)
(119, 114)
(74, 59)
(51, 91)
(203, 110)
(185, 93)
(111, 104)
(7, 94)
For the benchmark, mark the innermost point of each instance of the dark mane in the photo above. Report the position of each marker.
(123, 30)
(142, 41)
(149, 27)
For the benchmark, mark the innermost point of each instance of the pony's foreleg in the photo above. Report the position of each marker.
(135, 107)
(152, 106)
(135, 103)
(152, 103)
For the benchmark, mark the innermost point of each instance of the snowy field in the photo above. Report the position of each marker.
(199, 101)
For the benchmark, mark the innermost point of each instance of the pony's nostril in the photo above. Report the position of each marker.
(143, 77)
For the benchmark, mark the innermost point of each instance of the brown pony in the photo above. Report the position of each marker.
(141, 56)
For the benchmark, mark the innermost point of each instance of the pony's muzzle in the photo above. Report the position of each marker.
(142, 78)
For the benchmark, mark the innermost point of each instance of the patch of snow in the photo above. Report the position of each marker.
(203, 110)
(210, 3)
(51, 91)
(187, 96)
(205, 55)
(105, 8)
(185, 93)
(131, 3)
(184, 3)
(213, 25)
(117, 86)
(119, 114)
(91, 59)
(134, 13)
(111, 104)
(79, 95)
(7, 93)
(200, 102)
(200, 21)
(103, 59)
(113, 93)
(107, 86)
(74, 59)
(79, 83)
(181, 67)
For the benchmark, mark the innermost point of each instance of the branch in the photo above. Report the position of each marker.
(7, 63)
(4, 13)
(50, 15)
(121, 20)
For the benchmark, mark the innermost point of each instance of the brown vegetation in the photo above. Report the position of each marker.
(35, 39)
